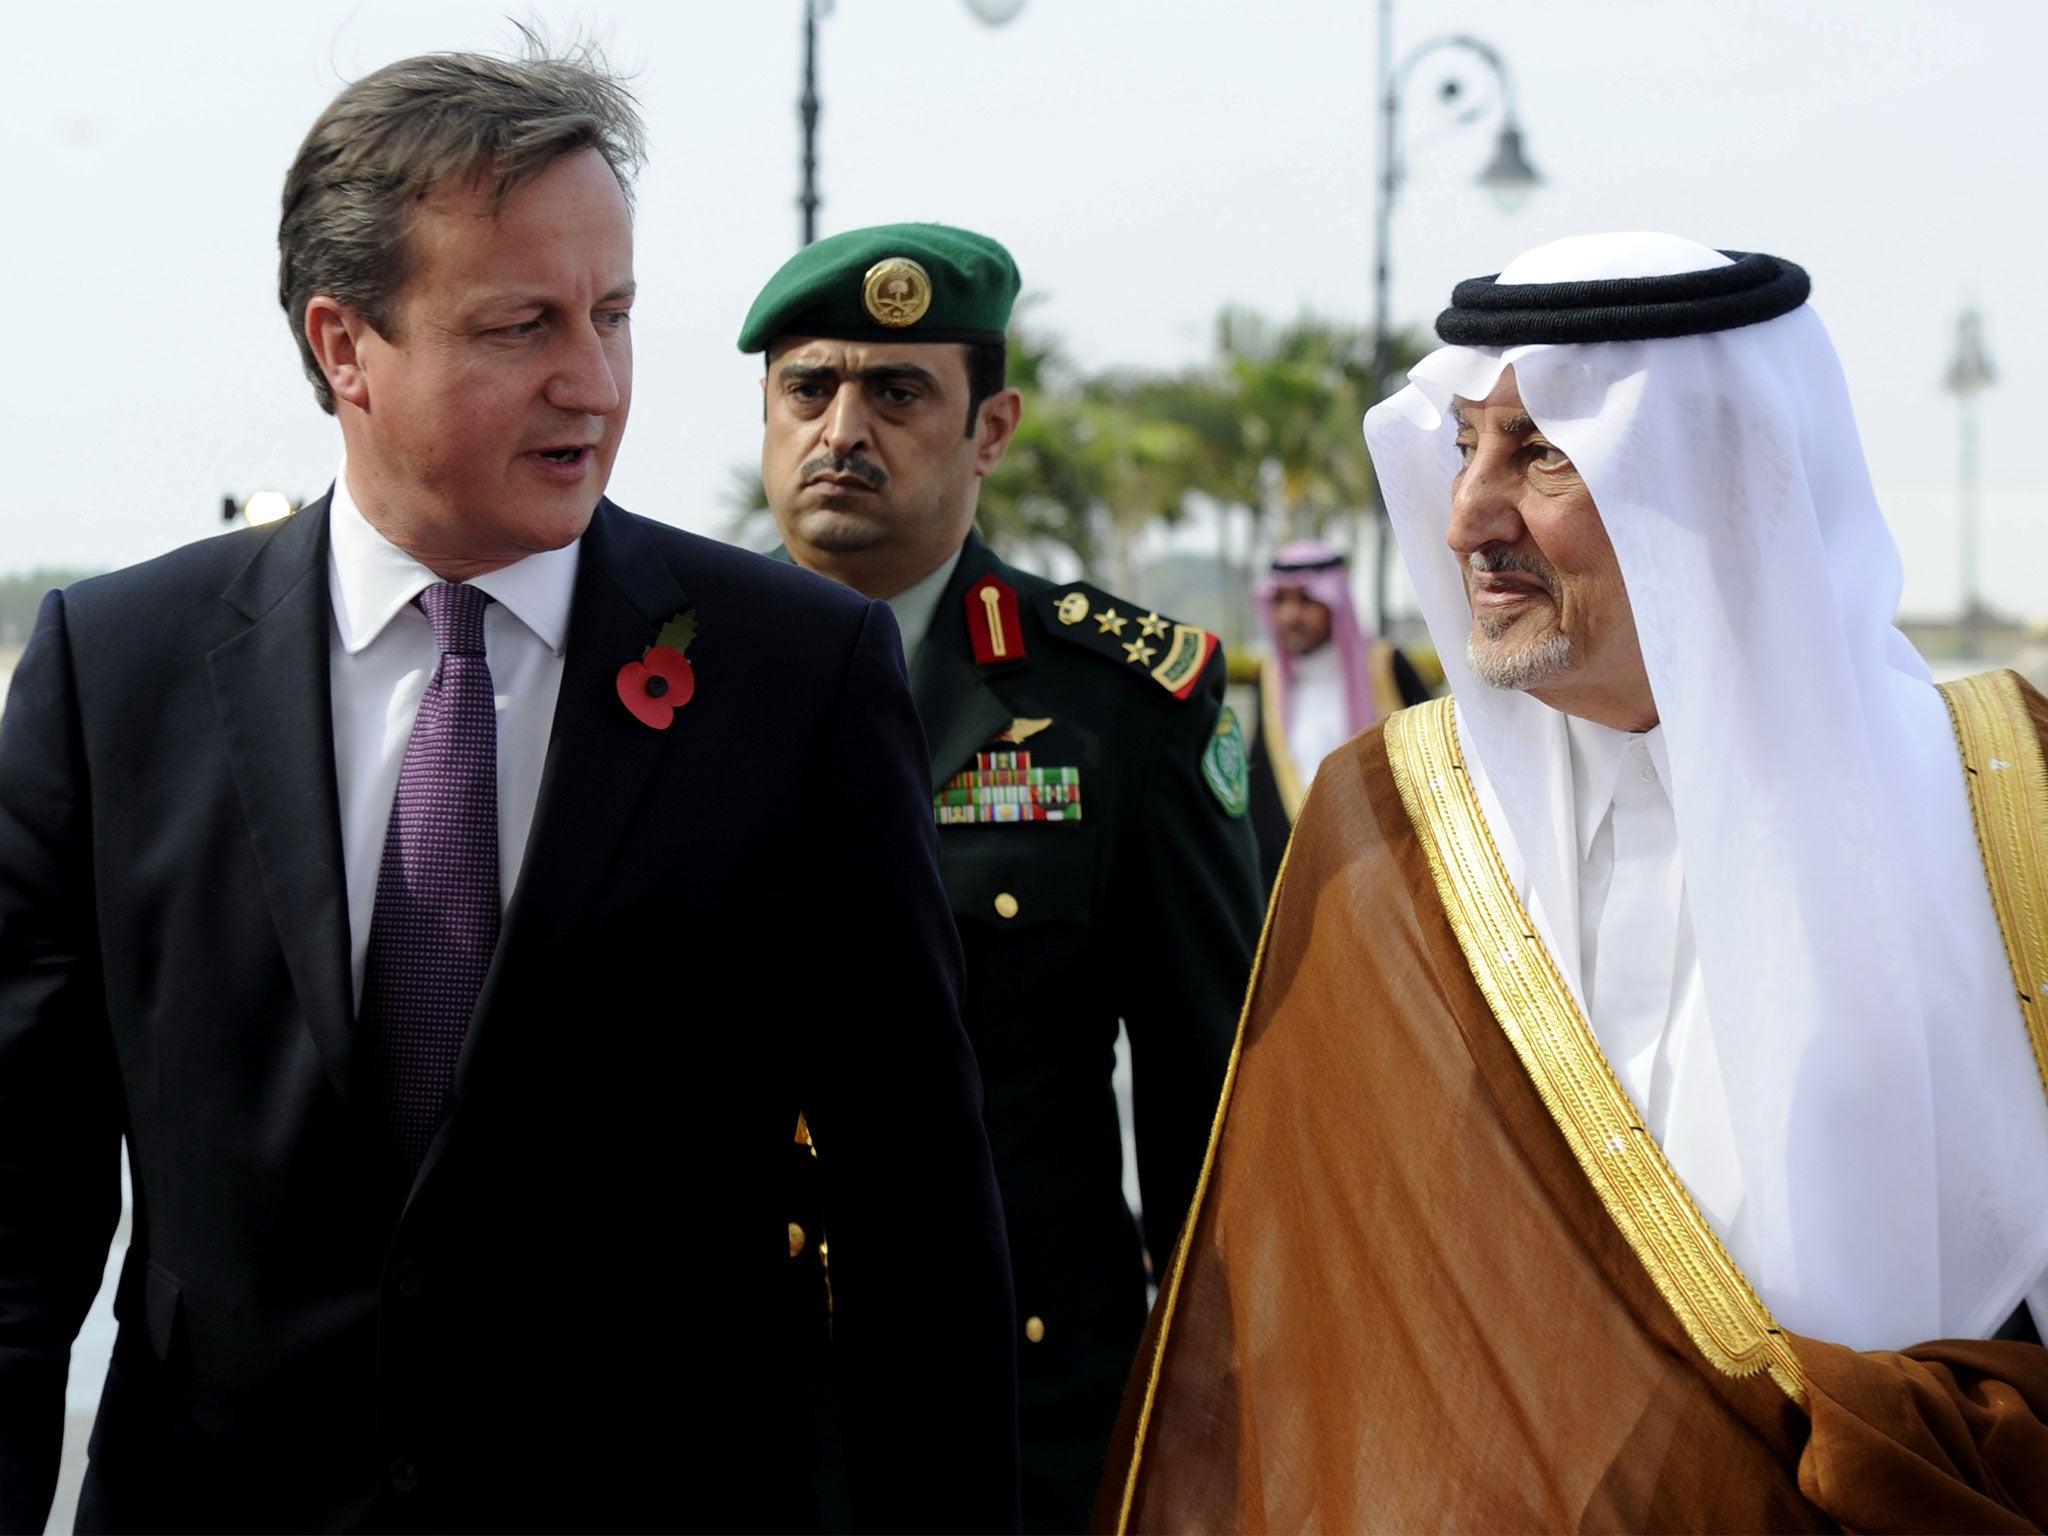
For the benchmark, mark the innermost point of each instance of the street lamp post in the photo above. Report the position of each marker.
(1508, 176)
(990, 13)
(807, 111)
(1969, 375)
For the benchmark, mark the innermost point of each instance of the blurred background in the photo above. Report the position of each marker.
(1235, 224)
(1192, 190)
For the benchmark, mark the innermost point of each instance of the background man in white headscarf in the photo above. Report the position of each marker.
(1325, 680)
(1640, 1064)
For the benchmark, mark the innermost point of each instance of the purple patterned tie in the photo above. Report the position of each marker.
(435, 921)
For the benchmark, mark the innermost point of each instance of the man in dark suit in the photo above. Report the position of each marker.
(1088, 783)
(412, 883)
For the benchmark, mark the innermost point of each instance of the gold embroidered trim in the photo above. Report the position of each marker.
(2008, 780)
(1273, 732)
(1720, 1311)
(1169, 1296)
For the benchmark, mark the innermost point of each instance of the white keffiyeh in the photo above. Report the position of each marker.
(1889, 1124)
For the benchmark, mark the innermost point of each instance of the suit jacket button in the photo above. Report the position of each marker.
(1006, 905)
(403, 1475)
(1034, 1329)
(796, 1239)
(407, 1277)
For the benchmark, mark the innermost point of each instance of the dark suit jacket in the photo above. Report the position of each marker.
(1146, 910)
(569, 1318)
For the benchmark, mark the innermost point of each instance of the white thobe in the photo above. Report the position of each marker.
(1639, 967)
(1318, 710)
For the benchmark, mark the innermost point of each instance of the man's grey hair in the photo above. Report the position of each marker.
(388, 140)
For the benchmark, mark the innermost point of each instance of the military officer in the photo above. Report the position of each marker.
(1088, 782)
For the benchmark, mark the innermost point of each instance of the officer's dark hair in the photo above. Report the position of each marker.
(388, 140)
(988, 369)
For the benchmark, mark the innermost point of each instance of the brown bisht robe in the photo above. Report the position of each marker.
(1402, 1302)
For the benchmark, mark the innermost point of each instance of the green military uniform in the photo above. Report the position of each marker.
(1146, 908)
(1090, 790)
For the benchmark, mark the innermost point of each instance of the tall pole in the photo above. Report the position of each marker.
(1969, 374)
(1382, 300)
(807, 109)
(1509, 176)
(1966, 474)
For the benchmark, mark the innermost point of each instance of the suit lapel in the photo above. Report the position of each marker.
(959, 710)
(599, 755)
(270, 685)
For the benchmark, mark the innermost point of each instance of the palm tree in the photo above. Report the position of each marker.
(1270, 432)
(1302, 390)
(1046, 491)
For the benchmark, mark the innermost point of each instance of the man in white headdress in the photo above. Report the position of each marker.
(1639, 1117)
(1325, 680)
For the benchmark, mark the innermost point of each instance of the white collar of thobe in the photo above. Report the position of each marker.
(1599, 755)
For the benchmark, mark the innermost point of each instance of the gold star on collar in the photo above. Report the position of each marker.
(1152, 624)
(1111, 621)
(1139, 651)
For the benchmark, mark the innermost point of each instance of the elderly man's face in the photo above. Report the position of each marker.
(1549, 612)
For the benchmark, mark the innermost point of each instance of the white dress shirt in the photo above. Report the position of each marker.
(381, 656)
(1639, 968)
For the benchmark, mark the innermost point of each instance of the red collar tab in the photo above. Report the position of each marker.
(993, 622)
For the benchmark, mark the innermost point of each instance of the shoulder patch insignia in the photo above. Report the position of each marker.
(993, 623)
(1189, 653)
(1224, 765)
(1172, 654)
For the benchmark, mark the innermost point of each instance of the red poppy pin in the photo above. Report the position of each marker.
(662, 680)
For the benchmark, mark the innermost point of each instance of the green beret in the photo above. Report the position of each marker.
(893, 282)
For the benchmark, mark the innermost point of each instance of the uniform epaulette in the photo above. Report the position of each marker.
(1139, 640)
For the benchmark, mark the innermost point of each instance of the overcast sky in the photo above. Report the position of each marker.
(1146, 161)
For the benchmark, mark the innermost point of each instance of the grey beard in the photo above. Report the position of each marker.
(1516, 667)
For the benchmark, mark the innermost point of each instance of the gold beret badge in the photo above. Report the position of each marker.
(897, 291)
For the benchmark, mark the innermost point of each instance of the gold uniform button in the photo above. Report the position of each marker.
(796, 1239)
(1006, 905)
(1034, 1329)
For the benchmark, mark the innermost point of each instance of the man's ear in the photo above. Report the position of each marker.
(336, 332)
(994, 428)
